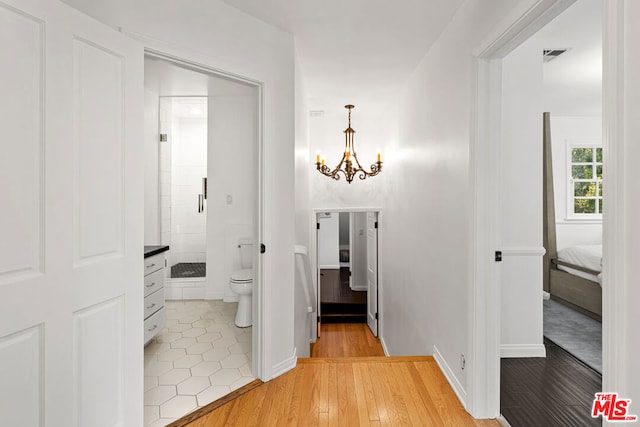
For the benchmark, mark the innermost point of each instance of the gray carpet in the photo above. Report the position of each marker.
(578, 334)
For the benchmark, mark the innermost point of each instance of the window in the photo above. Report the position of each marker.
(585, 184)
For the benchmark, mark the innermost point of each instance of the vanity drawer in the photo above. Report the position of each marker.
(153, 325)
(153, 303)
(153, 263)
(153, 282)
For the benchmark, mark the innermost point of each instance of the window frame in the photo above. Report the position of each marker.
(571, 215)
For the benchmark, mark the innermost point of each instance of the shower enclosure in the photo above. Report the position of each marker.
(183, 186)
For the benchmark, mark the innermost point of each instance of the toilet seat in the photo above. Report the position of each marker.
(242, 276)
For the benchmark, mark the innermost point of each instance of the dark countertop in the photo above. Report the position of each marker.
(154, 250)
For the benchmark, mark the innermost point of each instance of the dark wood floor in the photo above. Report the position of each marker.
(554, 391)
(334, 288)
(346, 340)
(338, 303)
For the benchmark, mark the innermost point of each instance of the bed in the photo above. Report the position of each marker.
(572, 276)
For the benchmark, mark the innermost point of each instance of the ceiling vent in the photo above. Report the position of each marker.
(551, 54)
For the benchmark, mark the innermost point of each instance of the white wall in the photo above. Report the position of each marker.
(521, 203)
(563, 131)
(232, 186)
(219, 36)
(375, 129)
(151, 181)
(424, 232)
(303, 220)
(164, 169)
(188, 167)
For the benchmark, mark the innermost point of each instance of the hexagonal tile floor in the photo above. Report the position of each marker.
(199, 357)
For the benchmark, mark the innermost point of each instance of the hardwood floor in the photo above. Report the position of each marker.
(390, 391)
(554, 391)
(346, 340)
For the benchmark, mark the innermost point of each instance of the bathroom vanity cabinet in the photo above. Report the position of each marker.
(154, 315)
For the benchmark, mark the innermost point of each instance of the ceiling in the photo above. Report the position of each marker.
(356, 51)
(573, 81)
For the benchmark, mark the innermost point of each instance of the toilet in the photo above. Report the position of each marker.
(241, 283)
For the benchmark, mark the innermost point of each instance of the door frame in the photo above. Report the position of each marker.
(261, 329)
(314, 261)
(526, 18)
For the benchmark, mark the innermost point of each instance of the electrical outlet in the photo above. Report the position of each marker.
(463, 362)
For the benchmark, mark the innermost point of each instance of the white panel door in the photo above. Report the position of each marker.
(71, 342)
(372, 272)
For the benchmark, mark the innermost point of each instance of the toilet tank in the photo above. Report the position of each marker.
(246, 252)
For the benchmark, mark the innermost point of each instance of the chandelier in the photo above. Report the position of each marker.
(346, 165)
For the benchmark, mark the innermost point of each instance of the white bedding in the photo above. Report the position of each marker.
(589, 256)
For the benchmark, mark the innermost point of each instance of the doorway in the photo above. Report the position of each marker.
(208, 216)
(489, 205)
(347, 274)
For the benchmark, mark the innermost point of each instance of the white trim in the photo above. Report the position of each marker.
(384, 346)
(450, 376)
(343, 209)
(329, 267)
(286, 365)
(524, 251)
(483, 363)
(522, 350)
(578, 221)
(614, 346)
(503, 421)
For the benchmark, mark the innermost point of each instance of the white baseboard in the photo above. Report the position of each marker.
(522, 350)
(450, 376)
(286, 365)
(384, 347)
(230, 298)
(359, 288)
(330, 267)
